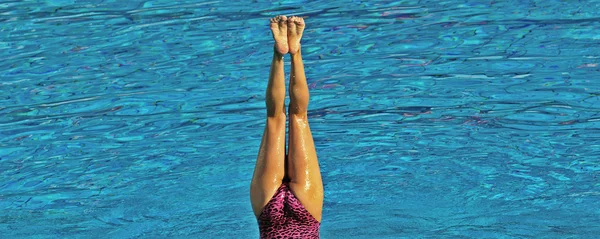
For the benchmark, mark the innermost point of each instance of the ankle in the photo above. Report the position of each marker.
(277, 55)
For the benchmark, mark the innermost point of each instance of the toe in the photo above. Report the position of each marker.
(282, 20)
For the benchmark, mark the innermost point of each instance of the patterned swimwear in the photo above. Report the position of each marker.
(285, 217)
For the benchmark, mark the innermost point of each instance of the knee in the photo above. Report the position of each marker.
(298, 110)
(276, 119)
(276, 111)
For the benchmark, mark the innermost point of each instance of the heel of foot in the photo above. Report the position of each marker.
(295, 48)
(281, 48)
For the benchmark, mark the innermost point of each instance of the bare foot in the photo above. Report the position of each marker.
(279, 29)
(295, 28)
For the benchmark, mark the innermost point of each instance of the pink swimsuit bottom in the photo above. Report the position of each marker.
(285, 217)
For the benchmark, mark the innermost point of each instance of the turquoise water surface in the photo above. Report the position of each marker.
(431, 119)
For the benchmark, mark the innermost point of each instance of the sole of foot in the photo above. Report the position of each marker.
(279, 28)
(295, 28)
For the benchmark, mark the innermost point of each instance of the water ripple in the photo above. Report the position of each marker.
(431, 119)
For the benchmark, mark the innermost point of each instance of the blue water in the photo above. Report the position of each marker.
(431, 119)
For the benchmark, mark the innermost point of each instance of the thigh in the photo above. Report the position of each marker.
(303, 166)
(269, 169)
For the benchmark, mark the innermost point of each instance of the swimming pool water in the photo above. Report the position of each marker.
(431, 119)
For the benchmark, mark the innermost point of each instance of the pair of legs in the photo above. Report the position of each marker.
(300, 166)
